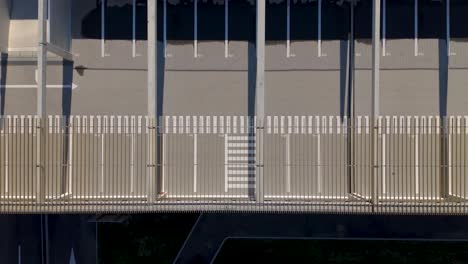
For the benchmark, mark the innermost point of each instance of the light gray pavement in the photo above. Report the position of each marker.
(213, 84)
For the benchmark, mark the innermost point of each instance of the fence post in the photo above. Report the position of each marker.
(40, 159)
(259, 186)
(151, 160)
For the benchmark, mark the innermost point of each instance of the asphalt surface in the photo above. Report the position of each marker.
(305, 83)
(70, 239)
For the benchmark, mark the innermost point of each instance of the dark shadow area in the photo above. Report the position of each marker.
(211, 20)
(458, 15)
(363, 20)
(432, 20)
(144, 238)
(119, 21)
(400, 19)
(444, 126)
(67, 232)
(335, 21)
(67, 81)
(160, 80)
(443, 77)
(275, 21)
(342, 251)
(3, 81)
(304, 20)
(23, 9)
(213, 229)
(242, 21)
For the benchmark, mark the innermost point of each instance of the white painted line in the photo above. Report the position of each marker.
(19, 253)
(134, 29)
(195, 29)
(7, 177)
(239, 151)
(22, 197)
(226, 28)
(98, 197)
(70, 156)
(244, 165)
(384, 168)
(416, 158)
(245, 158)
(242, 172)
(34, 86)
(447, 15)
(288, 28)
(103, 29)
(195, 162)
(304, 197)
(226, 162)
(132, 165)
(102, 159)
(384, 27)
(238, 179)
(250, 138)
(288, 163)
(241, 185)
(163, 161)
(207, 196)
(449, 164)
(416, 22)
(319, 164)
(319, 29)
(72, 257)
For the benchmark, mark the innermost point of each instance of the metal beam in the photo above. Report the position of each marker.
(41, 99)
(60, 52)
(375, 95)
(42, 59)
(260, 98)
(152, 99)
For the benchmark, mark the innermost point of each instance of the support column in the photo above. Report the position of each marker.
(260, 99)
(41, 99)
(375, 96)
(152, 99)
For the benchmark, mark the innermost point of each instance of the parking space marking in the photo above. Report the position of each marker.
(134, 29)
(195, 162)
(384, 27)
(447, 15)
(288, 28)
(132, 154)
(6, 137)
(319, 169)
(416, 154)
(416, 23)
(103, 28)
(195, 29)
(319, 29)
(226, 28)
(288, 162)
(70, 157)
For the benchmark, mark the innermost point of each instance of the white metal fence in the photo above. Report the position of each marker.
(203, 163)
